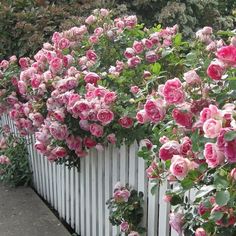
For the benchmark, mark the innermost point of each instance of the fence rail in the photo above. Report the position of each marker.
(80, 197)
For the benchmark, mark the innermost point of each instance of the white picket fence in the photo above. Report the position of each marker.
(80, 197)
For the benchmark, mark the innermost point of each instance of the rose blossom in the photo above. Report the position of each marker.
(142, 117)
(134, 89)
(111, 138)
(176, 221)
(138, 47)
(173, 91)
(124, 226)
(185, 146)
(230, 151)
(215, 70)
(227, 54)
(155, 109)
(91, 78)
(56, 65)
(121, 195)
(4, 160)
(200, 232)
(90, 20)
(153, 171)
(130, 21)
(191, 77)
(146, 143)
(151, 56)
(133, 61)
(180, 166)
(209, 112)
(212, 128)
(168, 150)
(105, 116)
(129, 53)
(213, 156)
(182, 117)
(96, 130)
(90, 143)
(59, 152)
(126, 122)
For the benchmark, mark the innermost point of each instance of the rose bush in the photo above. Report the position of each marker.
(126, 210)
(114, 81)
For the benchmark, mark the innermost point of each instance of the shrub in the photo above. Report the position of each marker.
(14, 165)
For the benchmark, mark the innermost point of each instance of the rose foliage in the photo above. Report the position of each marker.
(114, 81)
(126, 210)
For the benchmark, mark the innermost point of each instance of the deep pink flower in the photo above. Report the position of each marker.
(215, 70)
(213, 156)
(227, 54)
(173, 91)
(182, 117)
(96, 130)
(92, 78)
(126, 122)
(168, 150)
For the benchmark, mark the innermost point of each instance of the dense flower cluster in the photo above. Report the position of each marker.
(114, 81)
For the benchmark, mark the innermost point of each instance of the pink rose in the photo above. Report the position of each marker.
(64, 43)
(130, 21)
(215, 70)
(167, 198)
(22, 86)
(213, 156)
(183, 118)
(191, 77)
(98, 31)
(124, 226)
(212, 128)
(151, 56)
(147, 43)
(129, 53)
(74, 142)
(227, 54)
(90, 20)
(155, 110)
(173, 91)
(56, 37)
(153, 171)
(142, 117)
(4, 160)
(200, 232)
(168, 150)
(185, 146)
(176, 221)
(58, 131)
(230, 151)
(138, 47)
(134, 89)
(92, 78)
(209, 112)
(146, 143)
(126, 122)
(133, 61)
(90, 143)
(111, 138)
(180, 166)
(59, 152)
(91, 55)
(110, 97)
(84, 124)
(104, 12)
(121, 195)
(4, 64)
(105, 116)
(96, 130)
(24, 63)
(202, 209)
(56, 65)
(41, 147)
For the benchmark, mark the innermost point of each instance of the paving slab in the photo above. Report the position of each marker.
(23, 213)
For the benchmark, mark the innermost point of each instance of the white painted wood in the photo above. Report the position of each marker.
(88, 194)
(94, 189)
(152, 215)
(55, 205)
(59, 194)
(72, 197)
(101, 196)
(63, 192)
(82, 197)
(133, 166)
(67, 195)
(164, 210)
(108, 187)
(124, 161)
(51, 183)
(77, 202)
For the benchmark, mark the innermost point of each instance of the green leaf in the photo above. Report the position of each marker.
(217, 215)
(178, 39)
(154, 189)
(220, 181)
(232, 84)
(204, 191)
(156, 68)
(222, 197)
(187, 183)
(229, 136)
(175, 200)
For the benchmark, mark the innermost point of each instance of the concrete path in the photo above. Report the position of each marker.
(22, 213)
